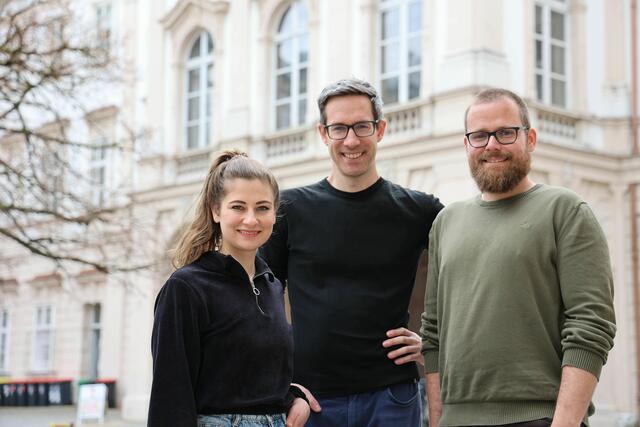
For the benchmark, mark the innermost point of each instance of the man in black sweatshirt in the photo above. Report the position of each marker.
(348, 248)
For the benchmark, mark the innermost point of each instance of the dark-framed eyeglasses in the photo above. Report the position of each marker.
(340, 131)
(504, 136)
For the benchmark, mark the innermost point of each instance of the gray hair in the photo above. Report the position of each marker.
(494, 94)
(346, 87)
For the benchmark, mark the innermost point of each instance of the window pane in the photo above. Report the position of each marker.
(210, 75)
(538, 19)
(283, 86)
(207, 132)
(286, 24)
(557, 59)
(557, 25)
(302, 111)
(195, 49)
(96, 313)
(208, 110)
(415, 51)
(209, 44)
(192, 136)
(303, 44)
(193, 109)
(282, 116)
(539, 87)
(303, 16)
(194, 80)
(302, 82)
(390, 90)
(390, 57)
(284, 52)
(415, 16)
(390, 23)
(539, 54)
(414, 85)
(558, 95)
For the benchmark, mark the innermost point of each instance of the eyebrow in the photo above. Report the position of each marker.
(257, 203)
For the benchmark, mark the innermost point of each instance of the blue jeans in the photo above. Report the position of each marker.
(241, 420)
(398, 405)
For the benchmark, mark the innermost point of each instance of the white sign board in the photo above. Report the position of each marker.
(92, 402)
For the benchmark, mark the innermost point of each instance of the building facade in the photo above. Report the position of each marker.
(206, 75)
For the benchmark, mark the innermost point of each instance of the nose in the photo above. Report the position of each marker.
(250, 218)
(493, 143)
(351, 140)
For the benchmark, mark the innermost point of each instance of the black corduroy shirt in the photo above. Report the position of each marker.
(217, 347)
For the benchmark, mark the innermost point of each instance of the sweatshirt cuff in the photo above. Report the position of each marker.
(583, 359)
(431, 362)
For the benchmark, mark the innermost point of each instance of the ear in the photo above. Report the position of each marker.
(323, 134)
(382, 126)
(532, 140)
(216, 213)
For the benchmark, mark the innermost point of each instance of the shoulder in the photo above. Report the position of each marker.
(428, 201)
(558, 200)
(302, 192)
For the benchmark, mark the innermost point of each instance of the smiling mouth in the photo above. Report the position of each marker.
(249, 233)
(352, 156)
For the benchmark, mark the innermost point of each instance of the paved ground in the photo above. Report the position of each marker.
(47, 416)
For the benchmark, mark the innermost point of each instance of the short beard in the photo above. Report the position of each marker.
(501, 181)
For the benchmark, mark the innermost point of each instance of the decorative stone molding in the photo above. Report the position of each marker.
(189, 15)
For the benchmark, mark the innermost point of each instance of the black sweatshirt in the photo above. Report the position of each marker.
(350, 260)
(214, 349)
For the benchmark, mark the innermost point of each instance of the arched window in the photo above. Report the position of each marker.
(290, 67)
(400, 49)
(198, 88)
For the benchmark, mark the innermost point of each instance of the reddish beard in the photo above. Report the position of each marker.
(500, 179)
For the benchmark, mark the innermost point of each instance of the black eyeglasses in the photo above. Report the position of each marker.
(504, 136)
(361, 129)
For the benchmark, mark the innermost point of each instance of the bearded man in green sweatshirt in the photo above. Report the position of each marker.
(519, 314)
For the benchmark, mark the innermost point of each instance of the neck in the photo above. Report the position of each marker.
(352, 184)
(246, 259)
(524, 185)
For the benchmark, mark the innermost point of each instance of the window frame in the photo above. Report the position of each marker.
(545, 72)
(300, 30)
(5, 338)
(49, 330)
(403, 38)
(99, 163)
(204, 93)
(104, 24)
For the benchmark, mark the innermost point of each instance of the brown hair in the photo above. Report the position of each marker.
(496, 94)
(347, 87)
(203, 234)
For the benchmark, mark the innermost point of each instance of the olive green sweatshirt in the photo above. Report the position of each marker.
(516, 289)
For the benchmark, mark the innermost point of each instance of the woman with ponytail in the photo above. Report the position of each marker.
(221, 345)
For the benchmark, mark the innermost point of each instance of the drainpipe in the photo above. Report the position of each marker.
(633, 195)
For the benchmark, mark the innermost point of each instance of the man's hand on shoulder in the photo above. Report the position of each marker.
(410, 343)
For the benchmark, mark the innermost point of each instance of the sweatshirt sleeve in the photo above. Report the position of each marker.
(175, 347)
(584, 272)
(429, 328)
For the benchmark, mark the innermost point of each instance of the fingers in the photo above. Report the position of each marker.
(313, 403)
(410, 346)
(401, 336)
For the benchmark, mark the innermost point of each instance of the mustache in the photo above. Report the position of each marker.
(503, 156)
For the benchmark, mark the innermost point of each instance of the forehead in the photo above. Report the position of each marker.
(348, 109)
(501, 112)
(247, 190)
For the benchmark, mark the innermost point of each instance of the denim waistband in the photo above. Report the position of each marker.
(241, 420)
